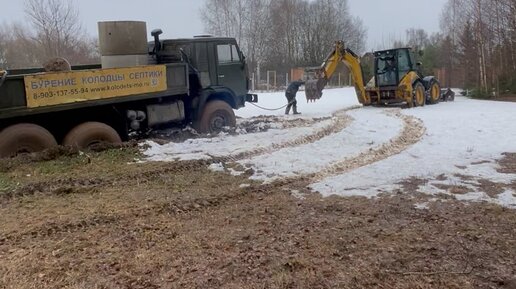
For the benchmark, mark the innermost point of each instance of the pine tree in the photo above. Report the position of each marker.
(468, 56)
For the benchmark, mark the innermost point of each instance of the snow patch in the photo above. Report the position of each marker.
(297, 194)
(464, 138)
(234, 172)
(371, 128)
(459, 135)
(332, 101)
(225, 144)
(421, 206)
(217, 167)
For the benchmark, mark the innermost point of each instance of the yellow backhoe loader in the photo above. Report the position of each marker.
(397, 78)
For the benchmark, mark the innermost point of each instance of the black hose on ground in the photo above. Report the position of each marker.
(272, 109)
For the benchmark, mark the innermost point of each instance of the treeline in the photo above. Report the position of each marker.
(282, 34)
(482, 36)
(53, 30)
(476, 48)
(435, 51)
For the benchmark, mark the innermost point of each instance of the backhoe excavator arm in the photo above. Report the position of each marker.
(351, 60)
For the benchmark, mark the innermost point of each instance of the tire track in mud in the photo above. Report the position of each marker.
(176, 207)
(79, 185)
(123, 217)
(52, 227)
(266, 122)
(412, 132)
(341, 121)
(69, 186)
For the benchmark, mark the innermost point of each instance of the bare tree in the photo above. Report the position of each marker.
(488, 27)
(18, 48)
(53, 30)
(283, 34)
(57, 30)
(417, 38)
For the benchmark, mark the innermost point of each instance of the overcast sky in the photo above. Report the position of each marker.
(389, 19)
(385, 20)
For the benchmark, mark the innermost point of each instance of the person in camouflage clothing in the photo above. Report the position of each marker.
(291, 92)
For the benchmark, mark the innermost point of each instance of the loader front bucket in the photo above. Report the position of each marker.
(314, 88)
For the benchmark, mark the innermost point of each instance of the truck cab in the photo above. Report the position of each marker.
(218, 69)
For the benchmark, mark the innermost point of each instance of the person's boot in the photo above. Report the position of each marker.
(295, 110)
(287, 110)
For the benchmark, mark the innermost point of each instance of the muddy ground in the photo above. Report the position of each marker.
(99, 220)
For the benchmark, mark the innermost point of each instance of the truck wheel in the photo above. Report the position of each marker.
(216, 115)
(25, 138)
(419, 94)
(88, 134)
(434, 93)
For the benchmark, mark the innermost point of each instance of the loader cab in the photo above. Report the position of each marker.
(392, 65)
(218, 61)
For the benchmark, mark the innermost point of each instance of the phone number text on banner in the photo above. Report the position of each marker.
(75, 86)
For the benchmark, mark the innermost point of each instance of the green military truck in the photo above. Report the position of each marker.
(139, 86)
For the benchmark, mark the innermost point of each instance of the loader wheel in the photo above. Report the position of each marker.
(89, 134)
(434, 93)
(25, 138)
(216, 115)
(419, 94)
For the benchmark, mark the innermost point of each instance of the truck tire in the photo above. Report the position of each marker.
(419, 94)
(216, 115)
(434, 92)
(25, 138)
(88, 134)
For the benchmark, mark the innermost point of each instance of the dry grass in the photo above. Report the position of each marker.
(101, 223)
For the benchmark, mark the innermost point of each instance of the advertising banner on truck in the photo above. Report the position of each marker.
(74, 86)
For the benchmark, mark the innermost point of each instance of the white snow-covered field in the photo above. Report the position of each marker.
(332, 100)
(462, 142)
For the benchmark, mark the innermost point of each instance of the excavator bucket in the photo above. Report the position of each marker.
(314, 88)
